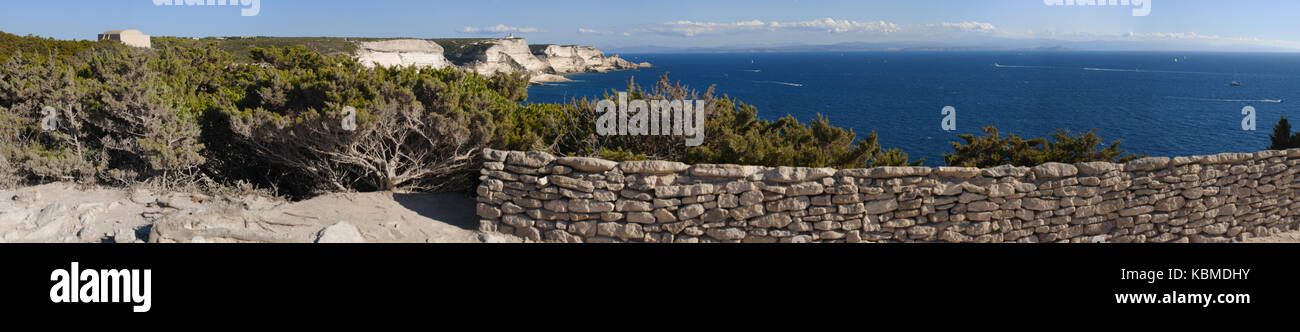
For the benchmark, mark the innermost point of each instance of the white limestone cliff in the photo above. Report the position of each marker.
(508, 55)
(581, 59)
(402, 52)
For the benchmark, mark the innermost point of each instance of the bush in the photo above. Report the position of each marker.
(734, 135)
(12, 45)
(992, 150)
(138, 120)
(114, 113)
(417, 129)
(1282, 137)
(28, 84)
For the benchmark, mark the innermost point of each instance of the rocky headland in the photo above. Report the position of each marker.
(545, 63)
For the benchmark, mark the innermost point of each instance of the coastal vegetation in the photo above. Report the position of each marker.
(192, 114)
(1282, 137)
(993, 150)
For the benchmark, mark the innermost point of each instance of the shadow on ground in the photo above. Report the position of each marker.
(454, 209)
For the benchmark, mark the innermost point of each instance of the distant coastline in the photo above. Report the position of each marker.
(543, 62)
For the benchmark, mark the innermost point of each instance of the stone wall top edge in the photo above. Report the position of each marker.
(538, 159)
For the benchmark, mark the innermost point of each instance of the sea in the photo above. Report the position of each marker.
(1158, 103)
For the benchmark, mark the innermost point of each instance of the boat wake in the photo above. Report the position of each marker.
(998, 65)
(781, 83)
(1109, 69)
(1119, 70)
(1274, 101)
(752, 70)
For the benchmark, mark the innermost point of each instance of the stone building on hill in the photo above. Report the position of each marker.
(132, 38)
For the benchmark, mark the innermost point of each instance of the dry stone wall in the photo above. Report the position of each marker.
(1218, 198)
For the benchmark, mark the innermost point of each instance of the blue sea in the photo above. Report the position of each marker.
(1160, 104)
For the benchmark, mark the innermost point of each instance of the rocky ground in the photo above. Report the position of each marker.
(63, 212)
(69, 213)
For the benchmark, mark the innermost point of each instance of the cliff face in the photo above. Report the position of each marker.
(545, 63)
(402, 52)
(581, 59)
(508, 56)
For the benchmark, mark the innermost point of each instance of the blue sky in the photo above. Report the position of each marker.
(610, 23)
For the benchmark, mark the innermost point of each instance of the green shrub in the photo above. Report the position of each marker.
(993, 150)
(1282, 137)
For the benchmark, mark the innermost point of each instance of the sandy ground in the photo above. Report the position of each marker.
(1285, 237)
(63, 212)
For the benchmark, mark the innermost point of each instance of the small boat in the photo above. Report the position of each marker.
(1235, 83)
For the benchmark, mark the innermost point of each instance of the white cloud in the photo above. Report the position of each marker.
(586, 31)
(499, 28)
(825, 25)
(837, 26)
(969, 27)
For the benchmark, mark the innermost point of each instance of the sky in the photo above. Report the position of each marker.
(677, 23)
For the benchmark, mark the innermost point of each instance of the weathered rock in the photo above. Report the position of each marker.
(690, 211)
(982, 206)
(805, 189)
(494, 155)
(341, 232)
(1129, 212)
(1146, 164)
(896, 172)
(723, 171)
(652, 167)
(1005, 170)
(589, 206)
(775, 220)
(960, 173)
(587, 164)
(624, 205)
(1169, 204)
(488, 211)
(1002, 190)
(571, 183)
(1096, 168)
(534, 159)
(1038, 204)
(881, 206)
(684, 191)
(751, 198)
(724, 234)
(797, 174)
(1055, 170)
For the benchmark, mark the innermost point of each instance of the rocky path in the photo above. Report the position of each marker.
(68, 213)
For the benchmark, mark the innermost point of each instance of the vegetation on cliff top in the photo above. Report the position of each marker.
(192, 113)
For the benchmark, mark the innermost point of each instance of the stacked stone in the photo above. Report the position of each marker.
(1187, 199)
